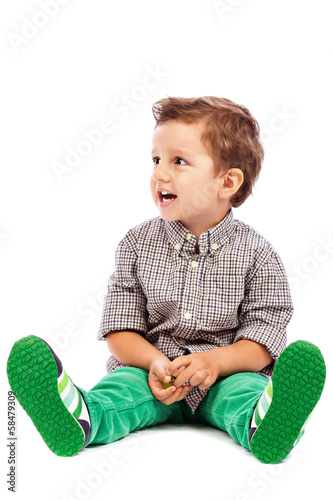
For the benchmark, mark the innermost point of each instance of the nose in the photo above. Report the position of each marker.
(161, 172)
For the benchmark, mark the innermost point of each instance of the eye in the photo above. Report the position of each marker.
(177, 159)
(180, 159)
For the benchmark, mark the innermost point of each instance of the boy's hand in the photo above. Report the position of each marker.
(157, 374)
(200, 368)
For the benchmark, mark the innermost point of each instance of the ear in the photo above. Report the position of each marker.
(230, 182)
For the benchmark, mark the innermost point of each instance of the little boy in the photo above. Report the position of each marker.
(195, 295)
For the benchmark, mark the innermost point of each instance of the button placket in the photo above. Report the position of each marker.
(190, 282)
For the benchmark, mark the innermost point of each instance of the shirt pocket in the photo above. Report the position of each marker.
(222, 295)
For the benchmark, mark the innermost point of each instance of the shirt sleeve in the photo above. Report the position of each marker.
(267, 307)
(124, 305)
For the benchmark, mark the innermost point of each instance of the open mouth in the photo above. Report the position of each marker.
(166, 196)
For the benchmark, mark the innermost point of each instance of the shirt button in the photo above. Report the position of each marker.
(187, 236)
(182, 341)
(187, 315)
(177, 246)
(194, 263)
(214, 246)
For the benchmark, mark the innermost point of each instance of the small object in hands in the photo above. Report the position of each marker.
(165, 385)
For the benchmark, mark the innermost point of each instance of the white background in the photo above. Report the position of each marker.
(66, 71)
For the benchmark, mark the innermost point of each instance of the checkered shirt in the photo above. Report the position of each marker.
(184, 302)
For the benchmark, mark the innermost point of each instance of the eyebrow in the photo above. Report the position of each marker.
(176, 151)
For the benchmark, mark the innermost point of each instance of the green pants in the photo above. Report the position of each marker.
(122, 402)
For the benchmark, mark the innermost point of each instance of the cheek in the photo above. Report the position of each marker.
(153, 187)
(202, 196)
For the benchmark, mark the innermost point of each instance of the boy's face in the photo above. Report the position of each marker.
(183, 167)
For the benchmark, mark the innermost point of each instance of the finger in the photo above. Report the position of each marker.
(179, 394)
(161, 374)
(182, 392)
(165, 385)
(198, 377)
(176, 363)
(163, 394)
(170, 398)
(184, 376)
(156, 387)
(185, 390)
(178, 371)
(206, 383)
(155, 382)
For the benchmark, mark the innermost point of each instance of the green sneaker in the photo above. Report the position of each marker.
(49, 397)
(287, 403)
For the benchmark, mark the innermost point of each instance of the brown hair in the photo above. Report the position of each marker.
(230, 133)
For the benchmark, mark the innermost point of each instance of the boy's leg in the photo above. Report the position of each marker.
(230, 403)
(49, 397)
(268, 417)
(122, 402)
(288, 401)
(59, 410)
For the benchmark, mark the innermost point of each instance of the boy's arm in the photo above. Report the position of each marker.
(130, 348)
(243, 356)
(124, 306)
(264, 314)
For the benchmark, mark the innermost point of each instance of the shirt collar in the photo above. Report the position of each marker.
(209, 242)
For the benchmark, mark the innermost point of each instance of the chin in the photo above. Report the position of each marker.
(167, 217)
